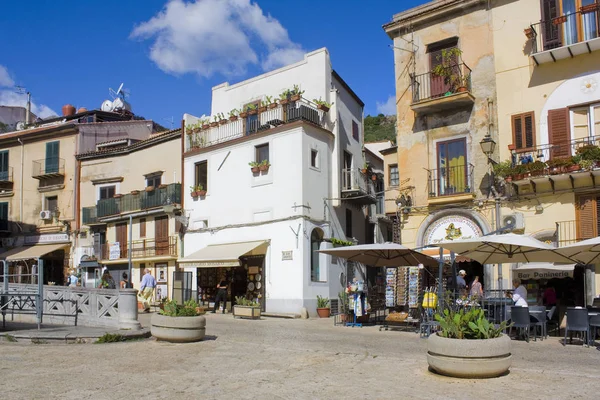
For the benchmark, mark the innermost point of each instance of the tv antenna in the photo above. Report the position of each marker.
(171, 121)
(118, 102)
(21, 125)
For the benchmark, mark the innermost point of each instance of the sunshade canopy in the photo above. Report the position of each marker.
(584, 252)
(31, 252)
(224, 255)
(382, 255)
(506, 248)
(543, 271)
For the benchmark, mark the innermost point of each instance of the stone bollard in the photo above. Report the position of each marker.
(128, 311)
(304, 313)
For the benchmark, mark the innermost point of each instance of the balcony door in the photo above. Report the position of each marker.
(577, 26)
(347, 171)
(52, 154)
(121, 238)
(161, 235)
(439, 84)
(452, 167)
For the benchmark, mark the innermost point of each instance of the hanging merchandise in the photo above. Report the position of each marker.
(401, 287)
(413, 287)
(390, 287)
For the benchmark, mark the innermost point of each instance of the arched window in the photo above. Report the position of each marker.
(316, 237)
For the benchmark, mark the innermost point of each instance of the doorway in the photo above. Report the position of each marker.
(452, 168)
(439, 84)
(121, 237)
(161, 235)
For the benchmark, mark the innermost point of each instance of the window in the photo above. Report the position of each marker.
(4, 166)
(523, 131)
(142, 227)
(107, 192)
(348, 223)
(585, 121)
(559, 134)
(314, 158)
(52, 204)
(252, 120)
(52, 157)
(201, 174)
(587, 210)
(261, 153)
(577, 26)
(153, 180)
(451, 176)
(394, 177)
(3, 216)
(316, 237)
(439, 85)
(355, 132)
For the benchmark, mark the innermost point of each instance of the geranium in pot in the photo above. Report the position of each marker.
(504, 170)
(322, 105)
(233, 115)
(254, 166)
(264, 166)
(323, 309)
(178, 323)
(468, 345)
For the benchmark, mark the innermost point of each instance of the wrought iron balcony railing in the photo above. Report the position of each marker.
(6, 176)
(449, 181)
(144, 248)
(429, 86)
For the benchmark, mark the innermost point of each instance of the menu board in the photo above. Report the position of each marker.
(390, 287)
(413, 287)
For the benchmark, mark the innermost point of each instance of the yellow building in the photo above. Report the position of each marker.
(525, 73)
(132, 187)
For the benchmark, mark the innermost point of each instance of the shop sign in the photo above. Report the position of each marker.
(287, 255)
(452, 227)
(47, 238)
(114, 252)
(542, 274)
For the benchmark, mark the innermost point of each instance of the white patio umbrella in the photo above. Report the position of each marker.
(584, 252)
(382, 255)
(506, 248)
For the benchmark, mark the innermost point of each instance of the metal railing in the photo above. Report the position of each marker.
(354, 180)
(450, 181)
(567, 233)
(89, 215)
(226, 130)
(6, 176)
(48, 167)
(144, 248)
(430, 86)
(161, 196)
(566, 30)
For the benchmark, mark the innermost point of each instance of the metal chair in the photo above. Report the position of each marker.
(539, 319)
(520, 319)
(577, 320)
(594, 324)
(551, 321)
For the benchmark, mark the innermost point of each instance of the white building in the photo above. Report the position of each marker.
(260, 230)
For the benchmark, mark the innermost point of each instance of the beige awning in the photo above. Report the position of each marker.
(31, 252)
(224, 255)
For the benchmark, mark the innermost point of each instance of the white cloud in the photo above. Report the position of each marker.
(388, 107)
(5, 79)
(216, 36)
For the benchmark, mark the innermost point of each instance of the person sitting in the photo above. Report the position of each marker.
(519, 296)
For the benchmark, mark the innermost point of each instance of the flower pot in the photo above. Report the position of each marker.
(373, 177)
(252, 112)
(223, 122)
(461, 89)
(162, 186)
(205, 126)
(295, 97)
(464, 358)
(272, 106)
(201, 193)
(194, 194)
(573, 168)
(264, 168)
(213, 124)
(255, 169)
(117, 196)
(528, 33)
(512, 147)
(363, 171)
(262, 109)
(589, 8)
(233, 118)
(559, 20)
(323, 107)
(249, 312)
(178, 329)
(149, 188)
(284, 101)
(134, 192)
(243, 114)
(324, 312)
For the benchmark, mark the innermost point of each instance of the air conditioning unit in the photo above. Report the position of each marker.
(46, 214)
(513, 222)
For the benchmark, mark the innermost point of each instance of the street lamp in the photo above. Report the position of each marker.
(488, 146)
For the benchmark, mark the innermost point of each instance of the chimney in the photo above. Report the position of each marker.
(68, 110)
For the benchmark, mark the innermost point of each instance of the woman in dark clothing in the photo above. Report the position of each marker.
(221, 296)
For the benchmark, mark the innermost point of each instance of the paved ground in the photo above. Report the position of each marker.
(283, 359)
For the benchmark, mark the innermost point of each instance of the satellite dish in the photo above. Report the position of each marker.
(20, 126)
(107, 105)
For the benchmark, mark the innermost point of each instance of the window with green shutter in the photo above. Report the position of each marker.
(4, 175)
(52, 155)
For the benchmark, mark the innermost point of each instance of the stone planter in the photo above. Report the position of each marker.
(246, 312)
(484, 358)
(178, 329)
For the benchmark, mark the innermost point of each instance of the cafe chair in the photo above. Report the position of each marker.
(520, 319)
(594, 324)
(539, 319)
(551, 321)
(577, 321)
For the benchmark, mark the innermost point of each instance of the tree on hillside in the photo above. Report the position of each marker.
(380, 127)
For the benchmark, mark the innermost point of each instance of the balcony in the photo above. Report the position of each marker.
(275, 117)
(377, 210)
(554, 165)
(566, 233)
(357, 187)
(141, 249)
(566, 36)
(451, 184)
(161, 196)
(6, 176)
(48, 168)
(433, 93)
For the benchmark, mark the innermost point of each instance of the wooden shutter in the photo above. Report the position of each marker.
(142, 227)
(52, 154)
(587, 217)
(121, 236)
(549, 31)
(523, 126)
(161, 235)
(559, 132)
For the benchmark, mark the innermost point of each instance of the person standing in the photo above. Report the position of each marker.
(461, 284)
(221, 296)
(73, 279)
(147, 289)
(476, 288)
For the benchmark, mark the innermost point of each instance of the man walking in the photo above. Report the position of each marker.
(147, 289)
(221, 296)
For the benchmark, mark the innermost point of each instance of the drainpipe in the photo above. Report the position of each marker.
(22, 163)
(129, 246)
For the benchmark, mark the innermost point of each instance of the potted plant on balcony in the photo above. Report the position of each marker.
(149, 188)
(243, 113)
(323, 307)
(222, 119)
(284, 97)
(201, 191)
(365, 168)
(589, 152)
(264, 166)
(215, 121)
(205, 123)
(194, 192)
(529, 33)
(374, 177)
(322, 105)
(536, 168)
(449, 69)
(263, 106)
(519, 172)
(178, 323)
(233, 115)
(589, 8)
(559, 20)
(468, 345)
(572, 164)
(252, 109)
(556, 165)
(245, 308)
(271, 103)
(254, 166)
(296, 93)
(504, 170)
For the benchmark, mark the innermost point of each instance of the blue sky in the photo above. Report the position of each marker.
(170, 54)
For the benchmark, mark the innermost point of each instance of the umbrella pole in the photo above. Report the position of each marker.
(440, 277)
